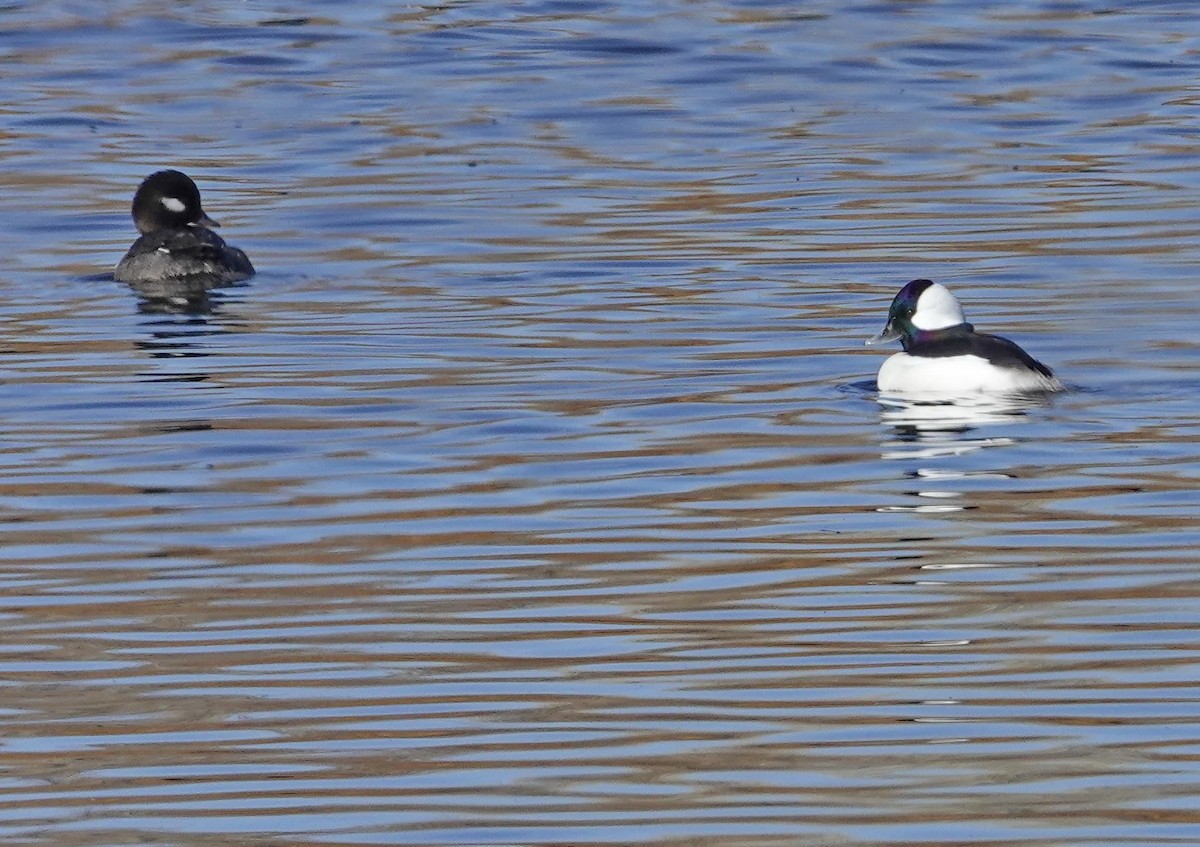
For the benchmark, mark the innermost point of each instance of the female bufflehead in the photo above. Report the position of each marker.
(944, 355)
(176, 243)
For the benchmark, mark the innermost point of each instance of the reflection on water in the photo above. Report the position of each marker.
(926, 429)
(531, 493)
(176, 297)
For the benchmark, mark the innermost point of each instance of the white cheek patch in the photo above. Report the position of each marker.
(174, 204)
(937, 309)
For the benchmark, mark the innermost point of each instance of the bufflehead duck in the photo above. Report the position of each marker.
(944, 355)
(177, 244)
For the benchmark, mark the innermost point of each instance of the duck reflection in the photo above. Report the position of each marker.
(177, 297)
(180, 321)
(927, 428)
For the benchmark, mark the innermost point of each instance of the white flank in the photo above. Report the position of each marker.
(957, 376)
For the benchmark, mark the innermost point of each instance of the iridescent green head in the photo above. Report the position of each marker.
(922, 305)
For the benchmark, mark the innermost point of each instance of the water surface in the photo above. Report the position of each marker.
(535, 492)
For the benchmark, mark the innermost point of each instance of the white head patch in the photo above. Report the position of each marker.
(937, 309)
(174, 204)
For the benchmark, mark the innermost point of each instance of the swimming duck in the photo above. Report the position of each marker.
(177, 243)
(944, 355)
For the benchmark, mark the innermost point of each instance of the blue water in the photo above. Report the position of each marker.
(535, 492)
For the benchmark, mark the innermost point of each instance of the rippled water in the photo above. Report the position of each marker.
(535, 491)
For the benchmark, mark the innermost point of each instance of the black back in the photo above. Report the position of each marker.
(962, 340)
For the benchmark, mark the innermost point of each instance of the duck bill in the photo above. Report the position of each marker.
(205, 221)
(889, 333)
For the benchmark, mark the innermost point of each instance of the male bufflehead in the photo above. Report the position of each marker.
(944, 355)
(176, 244)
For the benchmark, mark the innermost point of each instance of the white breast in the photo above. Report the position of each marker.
(957, 376)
